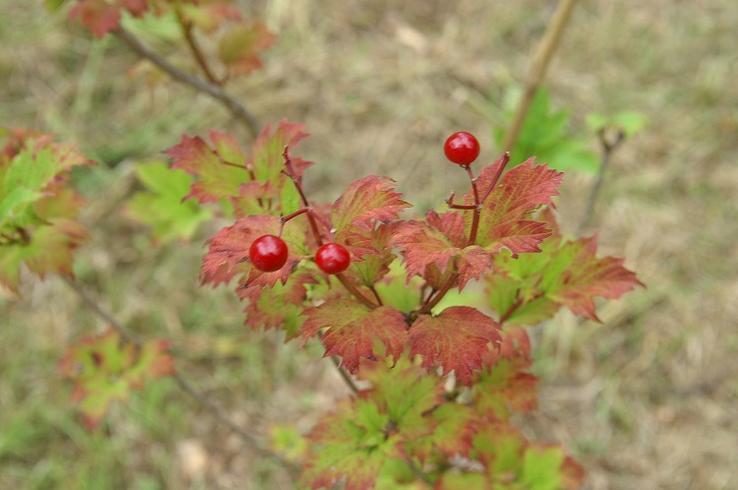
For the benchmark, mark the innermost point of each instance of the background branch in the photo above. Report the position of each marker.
(607, 147)
(236, 108)
(544, 54)
(183, 383)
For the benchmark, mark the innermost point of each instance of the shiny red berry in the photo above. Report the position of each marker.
(332, 258)
(462, 148)
(268, 253)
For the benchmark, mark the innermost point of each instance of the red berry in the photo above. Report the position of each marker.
(332, 258)
(268, 253)
(462, 148)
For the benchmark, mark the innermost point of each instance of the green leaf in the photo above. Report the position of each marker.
(162, 205)
(565, 273)
(546, 135)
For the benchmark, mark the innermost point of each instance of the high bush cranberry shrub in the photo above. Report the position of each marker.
(438, 380)
(434, 380)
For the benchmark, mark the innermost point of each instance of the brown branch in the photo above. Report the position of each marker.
(197, 53)
(544, 54)
(238, 110)
(344, 375)
(607, 148)
(182, 382)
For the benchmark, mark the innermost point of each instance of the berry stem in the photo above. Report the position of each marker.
(477, 206)
(316, 231)
(284, 219)
(376, 295)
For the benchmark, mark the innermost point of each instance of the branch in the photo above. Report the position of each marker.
(544, 53)
(183, 383)
(238, 110)
(477, 206)
(192, 44)
(607, 149)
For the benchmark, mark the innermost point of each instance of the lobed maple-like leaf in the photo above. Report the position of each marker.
(364, 437)
(161, 206)
(505, 384)
(509, 459)
(103, 16)
(228, 253)
(279, 306)
(38, 209)
(567, 273)
(456, 340)
(219, 169)
(365, 203)
(353, 331)
(433, 247)
(241, 46)
(106, 368)
(507, 218)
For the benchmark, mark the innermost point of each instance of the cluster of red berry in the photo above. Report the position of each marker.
(268, 253)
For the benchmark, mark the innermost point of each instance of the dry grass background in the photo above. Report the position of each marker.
(647, 400)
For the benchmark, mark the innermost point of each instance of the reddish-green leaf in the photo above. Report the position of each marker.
(219, 170)
(507, 219)
(278, 306)
(366, 202)
(241, 46)
(103, 16)
(431, 247)
(505, 384)
(456, 340)
(105, 368)
(363, 437)
(37, 207)
(354, 331)
(565, 273)
(228, 252)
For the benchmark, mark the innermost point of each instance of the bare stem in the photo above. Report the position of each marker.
(344, 375)
(477, 207)
(197, 53)
(182, 382)
(607, 148)
(544, 54)
(376, 295)
(238, 110)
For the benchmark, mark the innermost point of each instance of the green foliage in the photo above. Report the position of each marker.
(161, 206)
(38, 209)
(547, 135)
(629, 122)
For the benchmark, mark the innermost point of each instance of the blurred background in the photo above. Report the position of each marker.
(645, 400)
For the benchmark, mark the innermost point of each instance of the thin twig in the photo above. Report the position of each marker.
(477, 206)
(344, 375)
(182, 382)
(236, 108)
(189, 36)
(544, 54)
(607, 147)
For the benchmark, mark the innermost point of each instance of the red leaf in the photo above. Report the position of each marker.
(438, 242)
(216, 176)
(456, 340)
(589, 277)
(507, 214)
(228, 253)
(354, 331)
(101, 16)
(367, 201)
